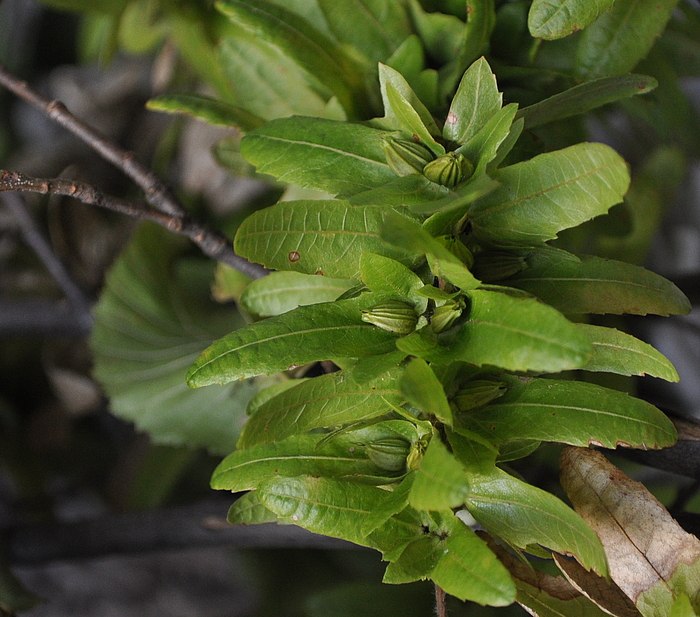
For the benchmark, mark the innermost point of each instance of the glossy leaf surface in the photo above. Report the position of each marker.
(440, 482)
(554, 19)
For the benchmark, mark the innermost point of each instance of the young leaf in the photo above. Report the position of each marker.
(309, 48)
(522, 514)
(442, 35)
(559, 18)
(279, 292)
(553, 191)
(341, 457)
(518, 334)
(476, 101)
(620, 38)
(318, 237)
(483, 147)
(392, 504)
(417, 561)
(247, 510)
(338, 157)
(204, 108)
(440, 482)
(589, 284)
(409, 119)
(338, 508)
(404, 191)
(382, 274)
(572, 412)
(335, 399)
(470, 571)
(422, 389)
(585, 97)
(621, 353)
(307, 334)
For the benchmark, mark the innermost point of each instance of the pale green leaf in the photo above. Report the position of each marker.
(307, 334)
(554, 19)
(585, 97)
(522, 514)
(476, 101)
(279, 292)
(153, 319)
(247, 510)
(620, 38)
(204, 108)
(392, 504)
(538, 198)
(483, 147)
(572, 412)
(382, 274)
(590, 284)
(441, 482)
(404, 191)
(423, 389)
(621, 353)
(318, 237)
(330, 400)
(409, 119)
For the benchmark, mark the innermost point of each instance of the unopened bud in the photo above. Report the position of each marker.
(458, 249)
(492, 266)
(449, 169)
(417, 452)
(405, 156)
(478, 393)
(393, 315)
(389, 453)
(445, 315)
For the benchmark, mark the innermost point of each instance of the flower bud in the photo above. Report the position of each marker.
(445, 315)
(449, 169)
(393, 315)
(389, 453)
(417, 452)
(492, 266)
(458, 249)
(478, 393)
(405, 156)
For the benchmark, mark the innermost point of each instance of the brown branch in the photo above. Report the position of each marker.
(166, 209)
(212, 243)
(440, 601)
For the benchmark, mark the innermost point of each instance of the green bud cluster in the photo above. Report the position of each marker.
(445, 315)
(405, 156)
(389, 453)
(393, 315)
(478, 393)
(449, 170)
(495, 265)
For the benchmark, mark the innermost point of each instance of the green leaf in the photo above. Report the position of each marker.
(341, 457)
(476, 454)
(410, 236)
(375, 27)
(404, 191)
(441, 34)
(338, 157)
(318, 237)
(585, 97)
(572, 412)
(416, 562)
(247, 510)
(409, 119)
(382, 274)
(518, 334)
(620, 38)
(307, 334)
(522, 514)
(422, 389)
(369, 368)
(392, 504)
(310, 49)
(621, 353)
(153, 319)
(441, 482)
(554, 19)
(279, 292)
(335, 399)
(204, 108)
(470, 571)
(476, 101)
(553, 191)
(338, 508)
(595, 285)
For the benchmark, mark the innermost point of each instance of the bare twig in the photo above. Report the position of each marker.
(166, 210)
(440, 602)
(212, 243)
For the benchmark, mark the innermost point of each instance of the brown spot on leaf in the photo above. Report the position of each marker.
(451, 118)
(293, 256)
(319, 272)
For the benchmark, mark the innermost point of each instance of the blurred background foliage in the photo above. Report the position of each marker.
(74, 410)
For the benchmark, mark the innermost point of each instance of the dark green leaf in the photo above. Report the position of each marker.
(335, 399)
(522, 514)
(440, 482)
(97, 6)
(207, 109)
(476, 454)
(279, 292)
(585, 97)
(572, 412)
(422, 389)
(554, 191)
(416, 562)
(307, 334)
(621, 37)
(318, 237)
(621, 353)
(442, 35)
(247, 510)
(554, 19)
(595, 285)
(392, 504)
(339, 157)
(151, 323)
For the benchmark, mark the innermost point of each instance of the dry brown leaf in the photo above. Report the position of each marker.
(643, 543)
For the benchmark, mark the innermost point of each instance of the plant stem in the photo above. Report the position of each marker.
(440, 602)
